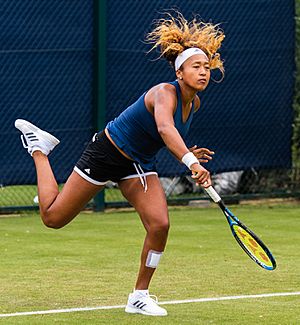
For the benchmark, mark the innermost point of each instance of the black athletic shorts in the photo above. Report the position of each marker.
(102, 162)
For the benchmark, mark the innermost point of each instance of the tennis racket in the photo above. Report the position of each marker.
(250, 243)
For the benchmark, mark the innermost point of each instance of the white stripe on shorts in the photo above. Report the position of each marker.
(136, 175)
(87, 178)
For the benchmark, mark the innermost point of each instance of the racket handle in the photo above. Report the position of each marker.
(213, 194)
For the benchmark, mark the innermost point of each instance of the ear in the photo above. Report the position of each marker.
(179, 74)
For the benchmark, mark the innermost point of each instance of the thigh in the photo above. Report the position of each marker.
(151, 205)
(76, 193)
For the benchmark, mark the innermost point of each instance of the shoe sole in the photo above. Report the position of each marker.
(132, 310)
(19, 123)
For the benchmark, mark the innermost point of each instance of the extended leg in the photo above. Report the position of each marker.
(153, 211)
(152, 208)
(58, 209)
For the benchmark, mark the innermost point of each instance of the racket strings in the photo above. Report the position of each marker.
(253, 246)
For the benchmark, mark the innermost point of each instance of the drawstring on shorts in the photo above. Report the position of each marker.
(142, 176)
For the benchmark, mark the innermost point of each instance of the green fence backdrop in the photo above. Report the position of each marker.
(71, 67)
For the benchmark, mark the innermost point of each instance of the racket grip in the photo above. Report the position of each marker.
(213, 194)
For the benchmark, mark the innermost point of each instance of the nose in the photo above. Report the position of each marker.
(202, 72)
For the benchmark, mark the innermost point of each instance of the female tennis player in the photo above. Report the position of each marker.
(124, 152)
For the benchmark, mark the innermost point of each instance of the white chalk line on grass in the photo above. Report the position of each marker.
(171, 302)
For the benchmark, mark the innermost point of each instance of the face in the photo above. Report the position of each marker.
(195, 72)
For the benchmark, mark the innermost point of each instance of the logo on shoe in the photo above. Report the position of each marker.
(139, 304)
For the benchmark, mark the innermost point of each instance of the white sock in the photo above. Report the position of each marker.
(142, 292)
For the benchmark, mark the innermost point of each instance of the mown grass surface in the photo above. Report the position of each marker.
(94, 262)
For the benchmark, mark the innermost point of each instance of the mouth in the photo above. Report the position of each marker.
(202, 81)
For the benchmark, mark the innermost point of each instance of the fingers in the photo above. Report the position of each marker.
(199, 173)
(204, 151)
(203, 154)
(207, 183)
(201, 176)
(203, 158)
(193, 148)
(204, 184)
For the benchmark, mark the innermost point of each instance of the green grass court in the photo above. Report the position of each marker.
(94, 260)
(22, 195)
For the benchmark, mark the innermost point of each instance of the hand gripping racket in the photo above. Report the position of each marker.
(250, 243)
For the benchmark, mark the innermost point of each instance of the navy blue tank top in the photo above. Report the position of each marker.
(135, 132)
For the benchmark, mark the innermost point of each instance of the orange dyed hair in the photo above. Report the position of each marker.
(173, 35)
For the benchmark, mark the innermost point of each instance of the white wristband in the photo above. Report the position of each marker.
(189, 159)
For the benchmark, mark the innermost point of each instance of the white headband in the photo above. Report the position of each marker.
(182, 57)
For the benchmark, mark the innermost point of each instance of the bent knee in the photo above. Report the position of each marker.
(51, 222)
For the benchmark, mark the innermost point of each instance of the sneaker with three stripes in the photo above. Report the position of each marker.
(140, 302)
(35, 139)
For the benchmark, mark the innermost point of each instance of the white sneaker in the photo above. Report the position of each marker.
(143, 303)
(36, 139)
